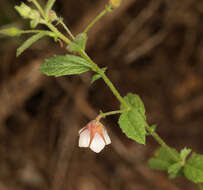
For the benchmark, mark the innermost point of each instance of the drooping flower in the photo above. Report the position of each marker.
(94, 135)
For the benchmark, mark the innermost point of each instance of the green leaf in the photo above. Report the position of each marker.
(78, 43)
(29, 42)
(65, 65)
(193, 169)
(97, 76)
(162, 159)
(23, 10)
(135, 101)
(133, 125)
(174, 170)
(184, 153)
(133, 121)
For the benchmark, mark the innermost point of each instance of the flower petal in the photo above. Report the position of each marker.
(84, 138)
(97, 143)
(106, 136)
(81, 130)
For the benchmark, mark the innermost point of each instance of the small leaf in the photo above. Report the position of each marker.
(174, 170)
(97, 76)
(162, 159)
(184, 153)
(135, 101)
(133, 122)
(29, 42)
(78, 43)
(65, 65)
(193, 168)
(133, 125)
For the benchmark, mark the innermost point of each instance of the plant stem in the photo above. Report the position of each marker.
(35, 31)
(200, 186)
(162, 143)
(56, 31)
(99, 16)
(105, 78)
(67, 29)
(37, 5)
(49, 6)
(111, 113)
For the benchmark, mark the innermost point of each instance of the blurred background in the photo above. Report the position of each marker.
(151, 47)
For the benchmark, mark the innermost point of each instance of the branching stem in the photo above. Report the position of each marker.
(103, 75)
(114, 91)
(66, 28)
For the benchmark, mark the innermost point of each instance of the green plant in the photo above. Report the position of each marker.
(132, 119)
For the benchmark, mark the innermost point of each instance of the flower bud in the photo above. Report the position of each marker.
(23, 10)
(94, 136)
(11, 31)
(114, 3)
(52, 16)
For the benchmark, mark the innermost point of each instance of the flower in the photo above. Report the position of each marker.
(114, 3)
(94, 135)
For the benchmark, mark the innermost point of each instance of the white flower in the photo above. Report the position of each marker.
(94, 136)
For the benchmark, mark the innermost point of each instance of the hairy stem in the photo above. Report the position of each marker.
(58, 34)
(111, 113)
(49, 6)
(67, 29)
(105, 78)
(37, 5)
(36, 31)
(99, 16)
(162, 143)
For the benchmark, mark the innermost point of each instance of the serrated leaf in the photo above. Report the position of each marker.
(133, 122)
(174, 170)
(162, 159)
(97, 76)
(184, 153)
(135, 101)
(65, 65)
(193, 168)
(78, 43)
(29, 42)
(133, 125)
